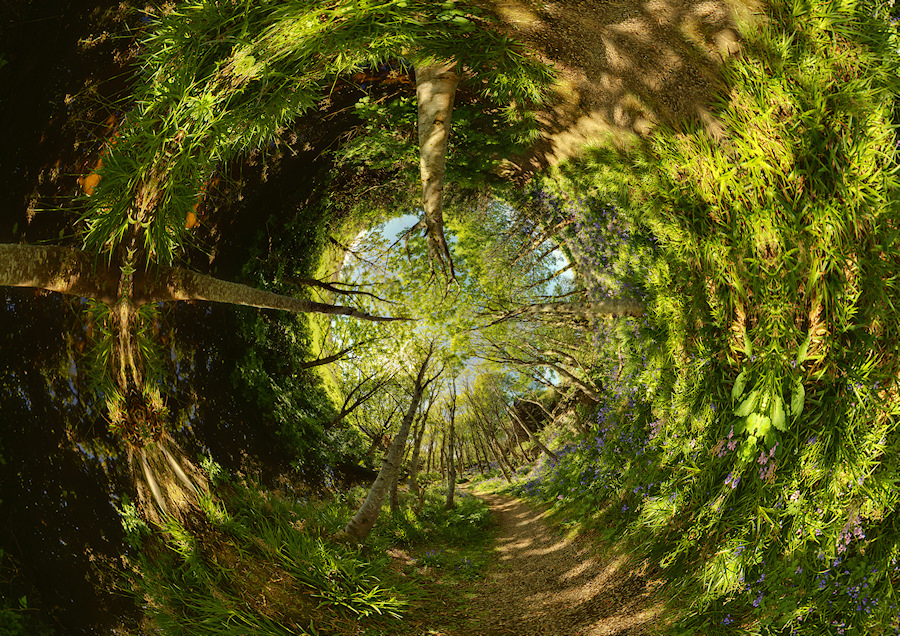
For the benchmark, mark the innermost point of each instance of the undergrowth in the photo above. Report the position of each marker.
(256, 561)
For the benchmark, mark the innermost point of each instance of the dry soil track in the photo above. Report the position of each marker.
(544, 582)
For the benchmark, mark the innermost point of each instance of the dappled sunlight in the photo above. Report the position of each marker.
(549, 583)
(624, 67)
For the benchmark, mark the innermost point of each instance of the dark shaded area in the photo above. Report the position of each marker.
(63, 74)
(59, 531)
(60, 534)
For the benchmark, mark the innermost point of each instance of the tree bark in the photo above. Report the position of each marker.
(430, 465)
(495, 451)
(395, 498)
(532, 436)
(435, 91)
(451, 458)
(414, 463)
(364, 520)
(59, 269)
(418, 434)
(443, 455)
(73, 272)
(173, 283)
(480, 454)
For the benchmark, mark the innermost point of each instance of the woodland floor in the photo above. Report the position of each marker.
(542, 581)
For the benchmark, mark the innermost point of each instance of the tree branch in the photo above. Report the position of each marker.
(173, 283)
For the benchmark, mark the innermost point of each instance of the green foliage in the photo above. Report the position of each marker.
(260, 562)
(480, 141)
(468, 522)
(12, 619)
(270, 376)
(18, 615)
(454, 541)
(135, 527)
(221, 79)
(390, 139)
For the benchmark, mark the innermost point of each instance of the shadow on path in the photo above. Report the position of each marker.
(546, 583)
(624, 67)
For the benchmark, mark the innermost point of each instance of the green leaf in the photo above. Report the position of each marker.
(748, 405)
(778, 414)
(763, 425)
(748, 346)
(752, 423)
(801, 352)
(738, 389)
(798, 395)
(748, 448)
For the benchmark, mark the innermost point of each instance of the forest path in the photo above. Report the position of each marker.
(546, 583)
(623, 67)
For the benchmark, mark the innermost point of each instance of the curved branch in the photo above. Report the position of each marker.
(314, 282)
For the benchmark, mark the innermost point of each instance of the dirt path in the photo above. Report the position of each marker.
(623, 67)
(545, 583)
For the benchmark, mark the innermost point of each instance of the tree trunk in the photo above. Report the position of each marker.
(73, 272)
(430, 465)
(451, 458)
(364, 520)
(395, 499)
(532, 436)
(414, 462)
(444, 455)
(480, 454)
(60, 269)
(435, 90)
(501, 461)
(588, 310)
(173, 283)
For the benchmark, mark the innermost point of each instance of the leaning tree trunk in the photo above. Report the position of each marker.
(435, 90)
(444, 455)
(76, 273)
(414, 462)
(534, 438)
(174, 283)
(56, 268)
(395, 497)
(480, 458)
(430, 464)
(364, 520)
